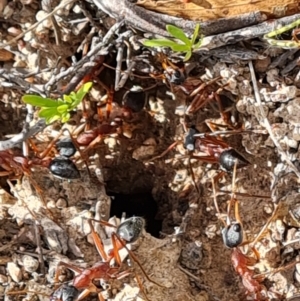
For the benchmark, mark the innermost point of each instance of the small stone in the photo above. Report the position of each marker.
(3, 279)
(30, 264)
(40, 15)
(146, 150)
(51, 204)
(8, 11)
(262, 65)
(3, 3)
(14, 272)
(296, 133)
(61, 203)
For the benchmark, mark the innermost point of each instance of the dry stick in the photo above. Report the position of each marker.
(25, 134)
(246, 33)
(149, 21)
(14, 40)
(265, 122)
(86, 63)
(40, 252)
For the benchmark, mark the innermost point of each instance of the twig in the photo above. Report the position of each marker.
(14, 40)
(246, 33)
(265, 122)
(149, 21)
(24, 135)
(85, 64)
(40, 251)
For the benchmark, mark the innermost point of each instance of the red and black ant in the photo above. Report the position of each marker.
(233, 238)
(126, 233)
(216, 150)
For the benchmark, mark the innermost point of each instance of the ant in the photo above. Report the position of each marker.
(61, 166)
(173, 72)
(126, 233)
(112, 117)
(233, 238)
(216, 150)
(15, 166)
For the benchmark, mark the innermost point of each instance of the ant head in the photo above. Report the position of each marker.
(232, 235)
(189, 139)
(174, 72)
(131, 229)
(134, 99)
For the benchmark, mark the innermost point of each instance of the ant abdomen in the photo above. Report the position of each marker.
(63, 167)
(131, 229)
(232, 235)
(229, 158)
(65, 293)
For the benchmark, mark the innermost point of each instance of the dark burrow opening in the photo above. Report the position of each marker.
(138, 204)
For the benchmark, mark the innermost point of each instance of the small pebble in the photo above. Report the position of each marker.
(30, 264)
(3, 279)
(14, 272)
(61, 203)
(262, 65)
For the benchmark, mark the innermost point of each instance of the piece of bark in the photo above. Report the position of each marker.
(214, 9)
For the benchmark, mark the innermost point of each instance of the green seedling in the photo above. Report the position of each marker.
(183, 45)
(59, 109)
(271, 36)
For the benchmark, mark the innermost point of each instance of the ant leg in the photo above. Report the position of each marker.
(84, 294)
(134, 258)
(100, 297)
(194, 178)
(13, 189)
(98, 242)
(39, 192)
(233, 198)
(110, 96)
(80, 153)
(262, 276)
(216, 203)
(141, 286)
(5, 173)
(48, 148)
(71, 267)
(165, 152)
(295, 32)
(265, 227)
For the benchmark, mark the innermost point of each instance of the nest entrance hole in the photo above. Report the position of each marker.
(137, 204)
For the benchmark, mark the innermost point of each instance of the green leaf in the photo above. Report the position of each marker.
(81, 94)
(67, 99)
(179, 34)
(181, 48)
(65, 117)
(47, 112)
(196, 46)
(187, 56)
(39, 101)
(160, 43)
(62, 109)
(195, 34)
(52, 118)
(60, 102)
